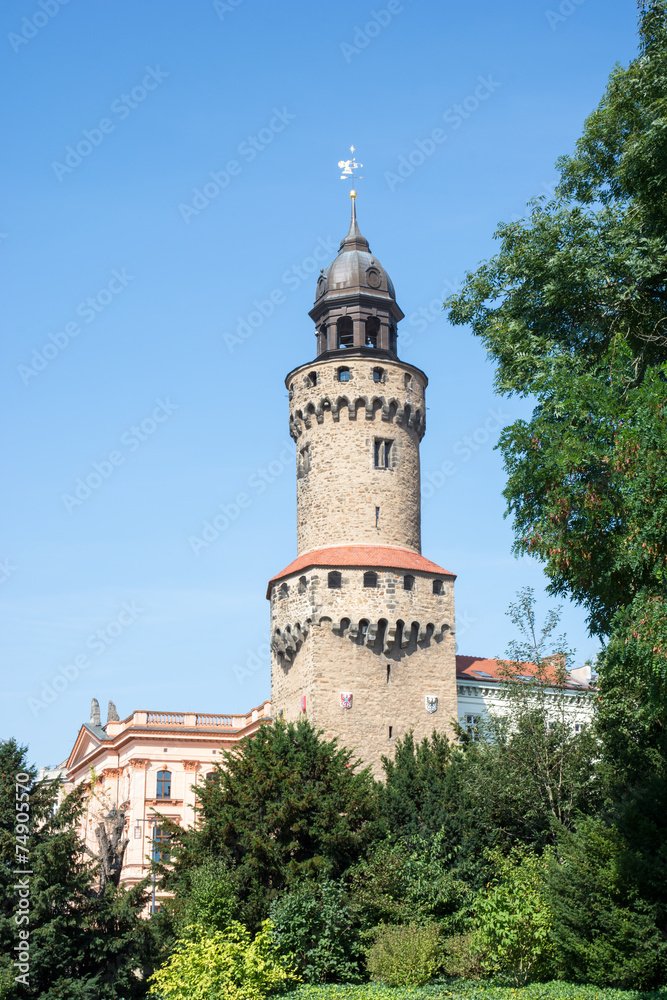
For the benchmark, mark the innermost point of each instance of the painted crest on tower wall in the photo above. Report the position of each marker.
(346, 699)
(431, 703)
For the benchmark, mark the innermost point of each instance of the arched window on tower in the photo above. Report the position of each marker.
(345, 331)
(334, 580)
(378, 374)
(302, 584)
(408, 582)
(370, 579)
(312, 378)
(284, 591)
(372, 331)
(343, 374)
(438, 587)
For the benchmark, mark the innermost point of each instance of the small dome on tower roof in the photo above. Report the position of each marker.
(355, 267)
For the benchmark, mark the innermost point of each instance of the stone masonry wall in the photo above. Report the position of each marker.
(335, 425)
(387, 646)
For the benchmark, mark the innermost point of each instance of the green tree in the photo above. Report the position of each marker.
(84, 944)
(314, 926)
(572, 310)
(604, 929)
(513, 920)
(411, 798)
(284, 806)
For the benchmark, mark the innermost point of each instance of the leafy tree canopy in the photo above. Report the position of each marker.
(573, 310)
(284, 806)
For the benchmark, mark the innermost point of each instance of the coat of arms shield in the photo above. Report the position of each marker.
(346, 699)
(431, 703)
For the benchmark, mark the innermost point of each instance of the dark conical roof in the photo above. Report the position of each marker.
(355, 268)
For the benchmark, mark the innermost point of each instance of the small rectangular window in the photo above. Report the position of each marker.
(471, 726)
(382, 454)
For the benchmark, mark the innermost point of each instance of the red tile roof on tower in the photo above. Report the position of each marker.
(389, 556)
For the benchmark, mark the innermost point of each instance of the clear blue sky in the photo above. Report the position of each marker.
(123, 306)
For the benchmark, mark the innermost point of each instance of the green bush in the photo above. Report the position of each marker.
(408, 955)
(460, 958)
(314, 926)
(209, 899)
(222, 965)
(513, 919)
(457, 990)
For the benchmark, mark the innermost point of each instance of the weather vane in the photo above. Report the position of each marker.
(348, 167)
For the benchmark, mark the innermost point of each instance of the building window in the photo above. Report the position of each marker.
(312, 378)
(302, 584)
(343, 374)
(388, 672)
(210, 776)
(334, 580)
(472, 726)
(370, 579)
(382, 453)
(161, 840)
(372, 331)
(163, 789)
(391, 730)
(408, 582)
(378, 374)
(578, 727)
(345, 332)
(438, 587)
(284, 591)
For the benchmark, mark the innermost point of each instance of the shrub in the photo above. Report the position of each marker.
(226, 964)
(209, 899)
(513, 918)
(405, 956)
(313, 924)
(460, 958)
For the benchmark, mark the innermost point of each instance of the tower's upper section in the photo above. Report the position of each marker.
(355, 303)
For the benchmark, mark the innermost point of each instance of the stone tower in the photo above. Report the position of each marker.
(362, 625)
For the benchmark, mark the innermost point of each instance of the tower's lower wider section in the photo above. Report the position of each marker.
(366, 652)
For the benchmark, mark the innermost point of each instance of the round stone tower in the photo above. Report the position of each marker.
(362, 625)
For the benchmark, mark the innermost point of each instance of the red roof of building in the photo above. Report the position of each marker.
(478, 668)
(390, 556)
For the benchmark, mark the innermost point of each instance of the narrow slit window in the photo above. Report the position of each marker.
(382, 453)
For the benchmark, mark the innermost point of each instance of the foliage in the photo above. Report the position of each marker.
(287, 805)
(225, 964)
(604, 931)
(207, 896)
(411, 797)
(513, 919)
(85, 944)
(315, 927)
(398, 884)
(408, 955)
(572, 310)
(460, 958)
(461, 990)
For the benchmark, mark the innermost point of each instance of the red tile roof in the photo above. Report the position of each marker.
(374, 556)
(471, 667)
